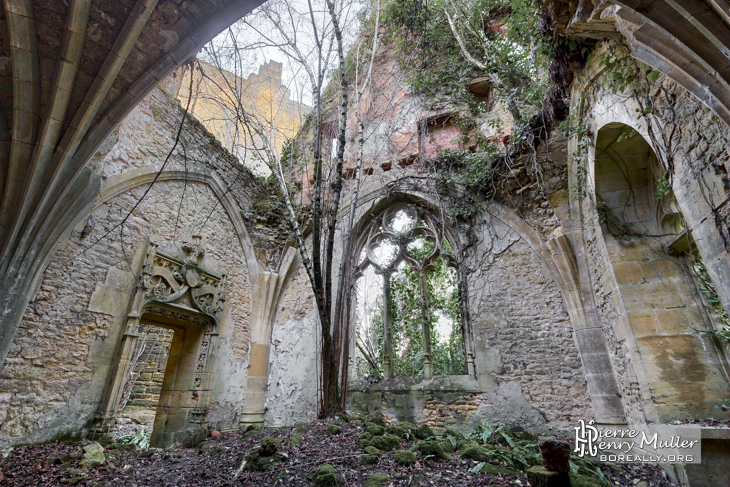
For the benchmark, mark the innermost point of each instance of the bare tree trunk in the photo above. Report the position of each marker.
(345, 263)
(330, 350)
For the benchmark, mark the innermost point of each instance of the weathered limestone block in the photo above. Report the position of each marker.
(93, 456)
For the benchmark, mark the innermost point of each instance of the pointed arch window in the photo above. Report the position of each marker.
(409, 310)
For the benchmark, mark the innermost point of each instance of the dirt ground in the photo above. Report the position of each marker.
(218, 462)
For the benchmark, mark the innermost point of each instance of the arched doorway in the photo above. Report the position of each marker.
(174, 293)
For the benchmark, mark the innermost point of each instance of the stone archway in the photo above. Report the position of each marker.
(174, 293)
(650, 253)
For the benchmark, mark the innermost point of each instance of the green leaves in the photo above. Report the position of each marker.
(663, 188)
(712, 299)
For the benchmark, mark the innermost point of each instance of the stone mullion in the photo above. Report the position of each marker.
(387, 327)
(423, 288)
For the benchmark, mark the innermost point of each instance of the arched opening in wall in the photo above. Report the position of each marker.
(185, 301)
(141, 392)
(408, 310)
(175, 398)
(658, 273)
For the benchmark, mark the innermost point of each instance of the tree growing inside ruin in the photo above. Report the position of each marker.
(492, 40)
(308, 170)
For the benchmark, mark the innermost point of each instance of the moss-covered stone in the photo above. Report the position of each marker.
(364, 439)
(374, 429)
(407, 430)
(397, 431)
(324, 475)
(577, 480)
(424, 431)
(497, 470)
(539, 476)
(450, 443)
(302, 428)
(407, 426)
(255, 461)
(93, 456)
(404, 457)
(296, 438)
(264, 457)
(378, 419)
(475, 452)
(433, 450)
(368, 460)
(376, 480)
(386, 442)
(373, 451)
(270, 445)
(333, 429)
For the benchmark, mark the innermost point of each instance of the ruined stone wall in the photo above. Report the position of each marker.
(527, 362)
(215, 94)
(521, 328)
(291, 395)
(65, 348)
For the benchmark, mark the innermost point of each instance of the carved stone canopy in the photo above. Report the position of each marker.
(183, 283)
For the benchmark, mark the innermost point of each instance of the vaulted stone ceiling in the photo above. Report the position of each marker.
(688, 40)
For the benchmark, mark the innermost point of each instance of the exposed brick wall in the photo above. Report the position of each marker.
(153, 348)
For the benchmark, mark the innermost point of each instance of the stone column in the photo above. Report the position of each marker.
(387, 327)
(423, 287)
(266, 290)
(263, 303)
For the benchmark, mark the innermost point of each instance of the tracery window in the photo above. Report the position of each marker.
(409, 312)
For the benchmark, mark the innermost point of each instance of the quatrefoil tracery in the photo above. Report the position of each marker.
(403, 235)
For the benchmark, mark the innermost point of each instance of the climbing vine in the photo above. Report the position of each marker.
(711, 298)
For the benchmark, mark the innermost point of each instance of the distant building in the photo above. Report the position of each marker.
(222, 101)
